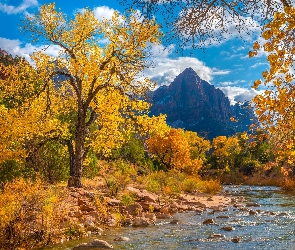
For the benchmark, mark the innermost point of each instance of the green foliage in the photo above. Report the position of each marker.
(91, 167)
(53, 162)
(11, 169)
(127, 199)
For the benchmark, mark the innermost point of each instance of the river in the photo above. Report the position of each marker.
(272, 228)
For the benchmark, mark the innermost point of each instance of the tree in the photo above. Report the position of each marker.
(171, 149)
(225, 149)
(275, 107)
(198, 145)
(90, 92)
(201, 22)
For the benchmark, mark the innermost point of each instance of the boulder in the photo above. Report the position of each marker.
(121, 238)
(94, 244)
(134, 209)
(144, 194)
(208, 221)
(236, 239)
(142, 222)
(228, 228)
(252, 204)
(216, 236)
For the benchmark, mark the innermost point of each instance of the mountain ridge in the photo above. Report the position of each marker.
(193, 104)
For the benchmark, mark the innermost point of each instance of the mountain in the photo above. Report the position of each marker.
(193, 104)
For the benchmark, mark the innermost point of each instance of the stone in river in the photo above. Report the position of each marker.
(94, 244)
(208, 221)
(228, 228)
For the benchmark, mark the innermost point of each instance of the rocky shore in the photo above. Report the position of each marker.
(146, 210)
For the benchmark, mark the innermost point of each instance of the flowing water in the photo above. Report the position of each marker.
(265, 230)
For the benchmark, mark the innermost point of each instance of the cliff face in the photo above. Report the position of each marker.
(193, 104)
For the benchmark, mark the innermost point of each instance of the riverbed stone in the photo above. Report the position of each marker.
(208, 221)
(122, 238)
(228, 228)
(252, 212)
(216, 236)
(175, 222)
(142, 222)
(94, 244)
(222, 217)
(134, 209)
(252, 204)
(236, 239)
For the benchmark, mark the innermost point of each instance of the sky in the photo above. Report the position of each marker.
(226, 65)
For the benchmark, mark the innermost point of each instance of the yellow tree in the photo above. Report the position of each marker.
(225, 149)
(276, 106)
(97, 86)
(171, 149)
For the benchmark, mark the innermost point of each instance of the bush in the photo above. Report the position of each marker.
(11, 169)
(29, 216)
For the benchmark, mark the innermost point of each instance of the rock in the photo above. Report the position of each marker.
(127, 222)
(122, 238)
(198, 211)
(147, 206)
(282, 214)
(217, 209)
(228, 228)
(272, 213)
(134, 209)
(208, 221)
(150, 216)
(144, 194)
(209, 199)
(212, 236)
(236, 239)
(252, 204)
(75, 194)
(252, 212)
(174, 222)
(223, 217)
(90, 195)
(111, 220)
(163, 216)
(114, 202)
(142, 222)
(94, 244)
(86, 208)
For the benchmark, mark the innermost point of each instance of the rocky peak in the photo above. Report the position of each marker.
(193, 104)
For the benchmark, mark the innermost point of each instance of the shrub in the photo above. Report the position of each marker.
(28, 214)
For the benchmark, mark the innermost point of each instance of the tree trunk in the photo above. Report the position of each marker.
(78, 158)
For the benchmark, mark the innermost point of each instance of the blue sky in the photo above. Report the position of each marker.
(226, 64)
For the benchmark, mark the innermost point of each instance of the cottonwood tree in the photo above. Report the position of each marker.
(90, 93)
(199, 23)
(276, 106)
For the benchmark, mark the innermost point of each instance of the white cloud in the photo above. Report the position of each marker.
(238, 94)
(164, 69)
(259, 64)
(16, 47)
(10, 9)
(102, 12)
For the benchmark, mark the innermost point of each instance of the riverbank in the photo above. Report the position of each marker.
(257, 218)
(34, 214)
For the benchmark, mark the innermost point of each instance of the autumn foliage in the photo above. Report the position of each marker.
(178, 150)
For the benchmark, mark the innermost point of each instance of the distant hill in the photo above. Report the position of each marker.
(193, 104)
